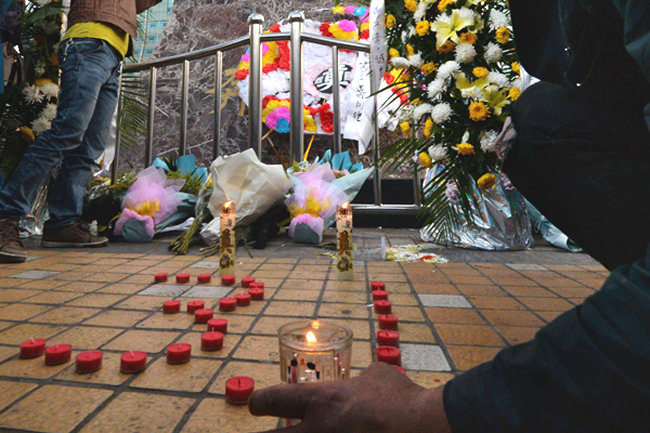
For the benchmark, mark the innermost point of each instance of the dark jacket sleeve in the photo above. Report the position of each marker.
(636, 36)
(587, 371)
(143, 5)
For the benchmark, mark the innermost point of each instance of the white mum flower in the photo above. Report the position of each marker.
(416, 60)
(40, 125)
(406, 114)
(42, 2)
(498, 78)
(466, 14)
(474, 93)
(444, 18)
(421, 11)
(49, 112)
(421, 110)
(448, 69)
(50, 90)
(404, 36)
(493, 52)
(465, 53)
(488, 141)
(33, 94)
(498, 19)
(437, 152)
(400, 62)
(435, 88)
(440, 113)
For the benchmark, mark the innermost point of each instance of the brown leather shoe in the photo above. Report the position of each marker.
(11, 248)
(75, 236)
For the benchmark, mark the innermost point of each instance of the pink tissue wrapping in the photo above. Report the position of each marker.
(152, 185)
(316, 183)
(317, 224)
(128, 214)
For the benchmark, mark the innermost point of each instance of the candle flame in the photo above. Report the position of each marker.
(345, 205)
(227, 204)
(310, 337)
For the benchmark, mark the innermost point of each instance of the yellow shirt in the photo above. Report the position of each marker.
(118, 38)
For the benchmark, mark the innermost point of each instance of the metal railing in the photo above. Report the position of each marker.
(254, 40)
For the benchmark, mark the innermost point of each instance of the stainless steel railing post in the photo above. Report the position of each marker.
(182, 150)
(218, 82)
(336, 99)
(148, 146)
(118, 132)
(297, 18)
(255, 22)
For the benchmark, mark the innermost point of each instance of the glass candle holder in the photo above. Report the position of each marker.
(314, 351)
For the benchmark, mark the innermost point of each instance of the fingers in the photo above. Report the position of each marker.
(284, 401)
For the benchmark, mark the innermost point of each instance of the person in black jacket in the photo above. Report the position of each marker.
(582, 156)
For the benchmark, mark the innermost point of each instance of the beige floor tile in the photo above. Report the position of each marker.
(429, 379)
(13, 295)
(11, 391)
(109, 374)
(54, 408)
(517, 334)
(270, 325)
(546, 304)
(512, 318)
(145, 303)
(34, 368)
(229, 343)
(117, 318)
(53, 297)
(299, 284)
(295, 295)
(66, 315)
(86, 337)
(159, 320)
(20, 312)
(146, 341)
(405, 313)
(286, 308)
(123, 288)
(495, 303)
(7, 352)
(416, 333)
(193, 376)
(346, 311)
(360, 328)
(347, 297)
(24, 331)
(215, 415)
(467, 357)
(237, 323)
(99, 300)
(454, 315)
(81, 287)
(258, 348)
(264, 375)
(362, 355)
(139, 412)
(468, 335)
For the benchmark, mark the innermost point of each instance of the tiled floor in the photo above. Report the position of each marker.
(452, 317)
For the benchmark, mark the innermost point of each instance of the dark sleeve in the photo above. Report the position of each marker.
(587, 371)
(143, 5)
(636, 36)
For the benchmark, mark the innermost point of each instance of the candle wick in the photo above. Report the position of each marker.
(239, 381)
(32, 338)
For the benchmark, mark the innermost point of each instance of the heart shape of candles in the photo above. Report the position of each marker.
(192, 306)
(133, 361)
(32, 348)
(58, 354)
(89, 362)
(239, 389)
(218, 325)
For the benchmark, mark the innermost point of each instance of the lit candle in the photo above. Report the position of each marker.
(344, 241)
(227, 241)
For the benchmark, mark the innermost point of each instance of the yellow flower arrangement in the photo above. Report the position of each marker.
(410, 50)
(422, 28)
(514, 94)
(428, 68)
(339, 10)
(425, 159)
(393, 53)
(486, 181)
(411, 5)
(446, 47)
(428, 128)
(516, 68)
(444, 3)
(465, 149)
(503, 35)
(406, 129)
(478, 111)
(27, 134)
(468, 38)
(480, 72)
(390, 21)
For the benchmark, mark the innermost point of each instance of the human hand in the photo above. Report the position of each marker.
(380, 400)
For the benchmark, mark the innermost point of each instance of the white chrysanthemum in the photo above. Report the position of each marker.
(493, 52)
(437, 153)
(440, 113)
(421, 11)
(50, 90)
(498, 79)
(465, 53)
(400, 62)
(49, 112)
(406, 114)
(443, 17)
(421, 110)
(416, 60)
(434, 89)
(33, 94)
(466, 14)
(42, 2)
(474, 93)
(488, 141)
(404, 36)
(498, 19)
(40, 125)
(448, 69)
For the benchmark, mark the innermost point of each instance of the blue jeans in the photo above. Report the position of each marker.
(79, 134)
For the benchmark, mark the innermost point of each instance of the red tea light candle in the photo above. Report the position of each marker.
(377, 285)
(379, 295)
(383, 307)
(239, 389)
(58, 354)
(133, 361)
(257, 294)
(218, 325)
(257, 285)
(182, 278)
(227, 304)
(204, 278)
(387, 321)
(32, 348)
(171, 307)
(387, 337)
(211, 341)
(89, 362)
(161, 277)
(400, 369)
(192, 306)
(179, 353)
(388, 354)
(203, 315)
(246, 281)
(228, 280)
(243, 299)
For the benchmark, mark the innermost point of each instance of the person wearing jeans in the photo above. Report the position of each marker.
(90, 58)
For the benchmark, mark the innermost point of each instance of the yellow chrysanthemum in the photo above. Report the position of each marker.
(40, 82)
(447, 47)
(428, 128)
(465, 149)
(393, 53)
(425, 159)
(422, 28)
(468, 38)
(339, 10)
(516, 68)
(486, 181)
(444, 3)
(514, 94)
(410, 50)
(411, 5)
(480, 72)
(27, 134)
(428, 68)
(406, 129)
(390, 21)
(503, 35)
(478, 111)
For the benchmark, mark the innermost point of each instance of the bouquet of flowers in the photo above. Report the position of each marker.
(452, 62)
